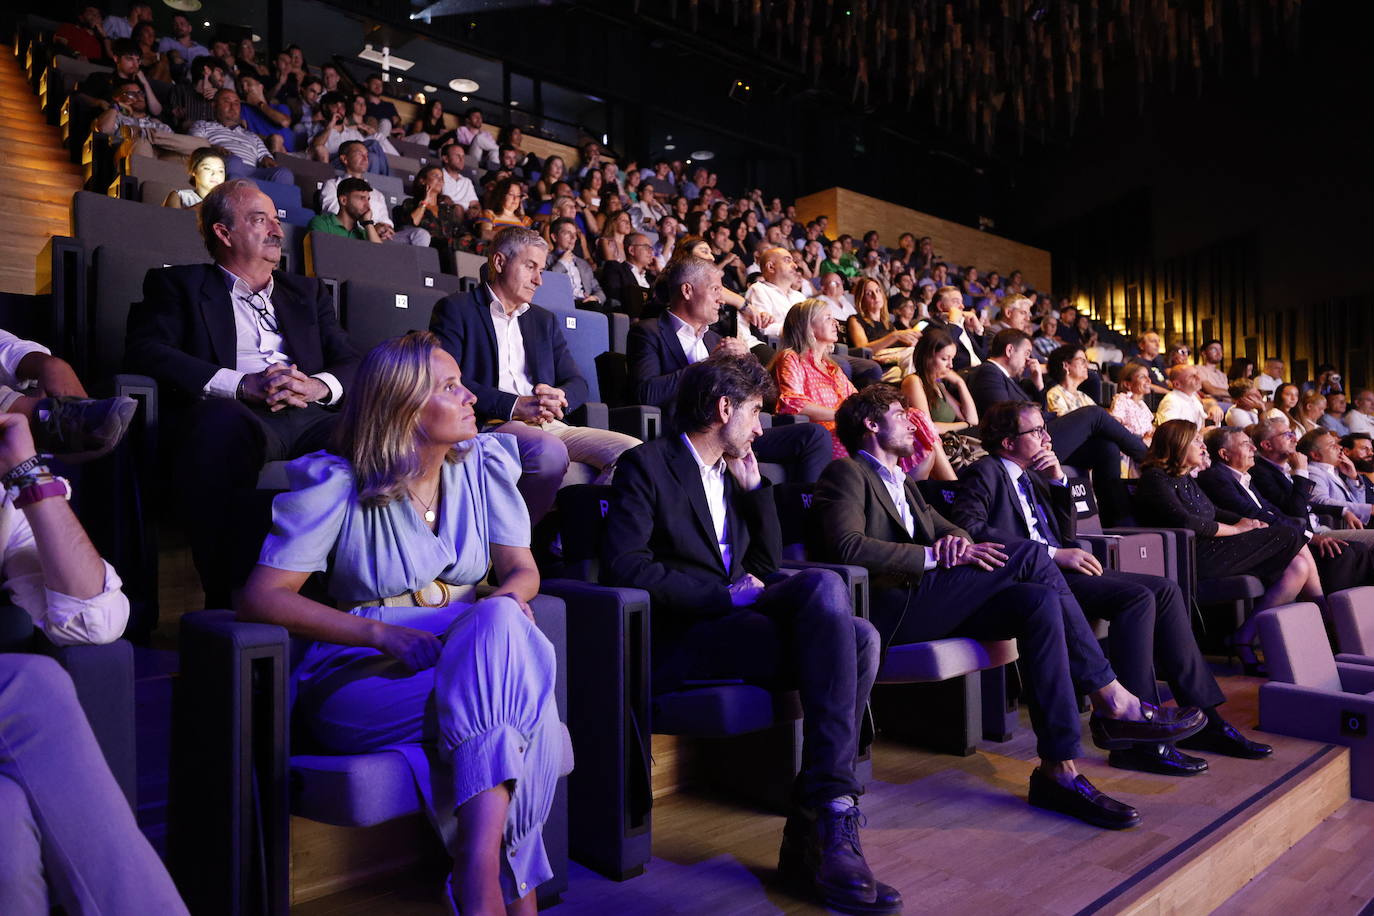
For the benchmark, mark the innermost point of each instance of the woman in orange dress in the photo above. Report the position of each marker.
(809, 380)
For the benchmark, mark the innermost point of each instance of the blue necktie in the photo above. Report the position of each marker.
(1041, 520)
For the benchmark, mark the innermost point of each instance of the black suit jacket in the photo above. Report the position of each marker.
(620, 284)
(1224, 490)
(182, 332)
(990, 385)
(1291, 497)
(659, 535)
(657, 360)
(464, 324)
(961, 357)
(988, 506)
(861, 526)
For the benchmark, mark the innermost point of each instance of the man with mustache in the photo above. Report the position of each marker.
(1359, 448)
(251, 363)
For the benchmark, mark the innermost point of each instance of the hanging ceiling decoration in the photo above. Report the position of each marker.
(976, 65)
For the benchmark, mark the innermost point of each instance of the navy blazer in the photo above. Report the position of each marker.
(659, 535)
(961, 358)
(989, 509)
(464, 325)
(1224, 490)
(182, 332)
(991, 385)
(1291, 496)
(657, 360)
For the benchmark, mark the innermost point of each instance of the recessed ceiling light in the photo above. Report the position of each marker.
(670, 146)
(431, 89)
(465, 98)
(460, 84)
(703, 154)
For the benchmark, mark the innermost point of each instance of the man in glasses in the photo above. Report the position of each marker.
(930, 579)
(129, 109)
(1020, 493)
(251, 362)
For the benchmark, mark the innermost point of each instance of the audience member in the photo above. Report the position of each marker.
(721, 610)
(1247, 403)
(206, 172)
(85, 38)
(871, 326)
(1149, 345)
(586, 291)
(70, 839)
(352, 214)
(1272, 376)
(935, 389)
(1360, 418)
(1227, 544)
(457, 178)
(195, 102)
(1128, 405)
(248, 155)
(429, 209)
(408, 514)
(128, 111)
(1334, 416)
(353, 157)
(269, 120)
(872, 516)
(1359, 448)
(1068, 368)
(629, 281)
(1182, 401)
(250, 360)
(1020, 492)
(123, 26)
(810, 382)
(181, 49)
(1308, 415)
(661, 348)
(1333, 474)
(1284, 404)
(388, 118)
(947, 313)
(1209, 362)
(97, 89)
(475, 141)
(517, 363)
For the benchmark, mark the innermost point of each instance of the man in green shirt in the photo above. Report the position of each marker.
(354, 219)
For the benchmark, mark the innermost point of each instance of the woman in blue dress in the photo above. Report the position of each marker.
(406, 517)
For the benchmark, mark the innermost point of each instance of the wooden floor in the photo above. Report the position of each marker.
(37, 179)
(955, 835)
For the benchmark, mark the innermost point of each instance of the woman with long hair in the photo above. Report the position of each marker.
(554, 171)
(935, 388)
(809, 380)
(871, 327)
(611, 245)
(1168, 496)
(1308, 415)
(430, 209)
(429, 126)
(411, 511)
(503, 207)
(1285, 404)
(1241, 367)
(206, 173)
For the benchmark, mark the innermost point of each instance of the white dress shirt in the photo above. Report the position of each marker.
(693, 342)
(459, 190)
(774, 300)
(569, 262)
(255, 347)
(896, 490)
(1179, 405)
(1241, 418)
(1267, 383)
(512, 375)
(1244, 479)
(329, 202)
(713, 482)
(842, 308)
(1027, 512)
(1360, 422)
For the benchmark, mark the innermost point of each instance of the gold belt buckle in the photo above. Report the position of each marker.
(443, 592)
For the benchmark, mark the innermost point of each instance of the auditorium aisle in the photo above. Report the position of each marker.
(37, 179)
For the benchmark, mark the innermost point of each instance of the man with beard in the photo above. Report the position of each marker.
(929, 580)
(251, 361)
(1359, 448)
(693, 523)
(1340, 563)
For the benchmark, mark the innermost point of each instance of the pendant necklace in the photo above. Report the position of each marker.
(429, 515)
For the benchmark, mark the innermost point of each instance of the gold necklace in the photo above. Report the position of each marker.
(429, 514)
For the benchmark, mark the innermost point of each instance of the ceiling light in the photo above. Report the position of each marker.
(670, 146)
(464, 98)
(460, 84)
(703, 154)
(431, 89)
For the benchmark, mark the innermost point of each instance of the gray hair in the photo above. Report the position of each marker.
(219, 208)
(1220, 438)
(696, 271)
(513, 239)
(1267, 428)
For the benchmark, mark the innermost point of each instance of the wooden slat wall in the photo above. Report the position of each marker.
(856, 213)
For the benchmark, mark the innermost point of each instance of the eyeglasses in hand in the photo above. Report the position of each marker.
(266, 319)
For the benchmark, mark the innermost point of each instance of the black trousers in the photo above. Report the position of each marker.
(804, 448)
(801, 633)
(1149, 633)
(1353, 566)
(223, 446)
(1093, 439)
(1026, 600)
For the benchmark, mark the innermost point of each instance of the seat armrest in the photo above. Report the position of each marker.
(593, 415)
(1355, 678)
(643, 422)
(104, 679)
(855, 577)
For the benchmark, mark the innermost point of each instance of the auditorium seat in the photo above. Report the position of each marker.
(1352, 618)
(337, 259)
(238, 779)
(555, 294)
(419, 152)
(585, 333)
(374, 312)
(403, 168)
(287, 198)
(1312, 695)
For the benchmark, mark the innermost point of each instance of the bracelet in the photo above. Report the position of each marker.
(26, 496)
(23, 468)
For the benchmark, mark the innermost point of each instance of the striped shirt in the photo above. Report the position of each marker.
(240, 141)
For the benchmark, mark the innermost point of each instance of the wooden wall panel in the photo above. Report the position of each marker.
(855, 213)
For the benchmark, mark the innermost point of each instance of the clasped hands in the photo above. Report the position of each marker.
(954, 550)
(282, 385)
(544, 406)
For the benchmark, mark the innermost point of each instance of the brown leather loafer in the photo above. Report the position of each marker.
(1083, 801)
(1161, 725)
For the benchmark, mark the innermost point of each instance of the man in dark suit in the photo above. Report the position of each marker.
(947, 313)
(251, 362)
(929, 580)
(1018, 493)
(622, 279)
(1280, 473)
(1089, 438)
(660, 349)
(693, 523)
(515, 360)
(1229, 483)
(587, 293)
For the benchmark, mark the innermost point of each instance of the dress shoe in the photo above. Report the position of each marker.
(823, 858)
(1224, 738)
(1083, 801)
(1157, 758)
(1160, 724)
(80, 429)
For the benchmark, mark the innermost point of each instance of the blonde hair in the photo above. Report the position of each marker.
(379, 429)
(797, 332)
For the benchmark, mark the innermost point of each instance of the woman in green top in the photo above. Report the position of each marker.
(837, 263)
(935, 387)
